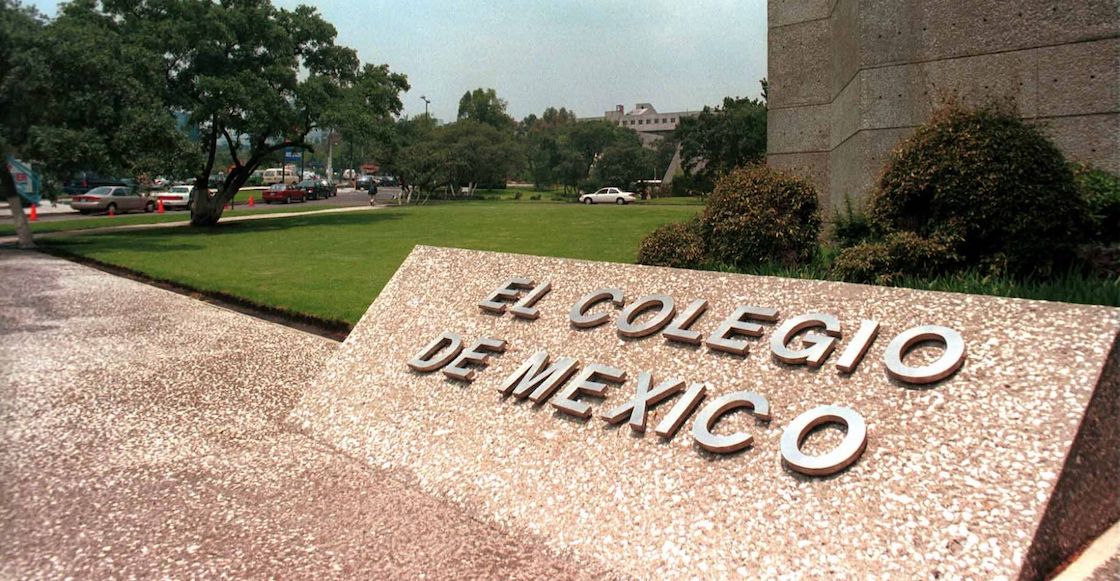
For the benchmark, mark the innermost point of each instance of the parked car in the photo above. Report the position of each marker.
(316, 189)
(118, 199)
(275, 175)
(608, 196)
(329, 187)
(284, 193)
(176, 197)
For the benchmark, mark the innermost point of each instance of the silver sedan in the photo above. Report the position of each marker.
(115, 199)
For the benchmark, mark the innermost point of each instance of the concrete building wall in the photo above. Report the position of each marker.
(849, 79)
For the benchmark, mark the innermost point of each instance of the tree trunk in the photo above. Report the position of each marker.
(15, 202)
(206, 210)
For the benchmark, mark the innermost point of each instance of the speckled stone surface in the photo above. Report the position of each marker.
(954, 482)
(142, 436)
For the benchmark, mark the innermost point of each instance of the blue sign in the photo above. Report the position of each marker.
(27, 181)
(293, 154)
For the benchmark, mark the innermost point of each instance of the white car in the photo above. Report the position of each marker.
(609, 196)
(175, 197)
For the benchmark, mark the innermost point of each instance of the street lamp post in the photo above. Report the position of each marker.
(426, 103)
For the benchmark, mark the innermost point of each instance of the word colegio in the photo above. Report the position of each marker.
(540, 378)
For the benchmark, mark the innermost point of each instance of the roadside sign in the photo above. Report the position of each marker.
(292, 154)
(27, 181)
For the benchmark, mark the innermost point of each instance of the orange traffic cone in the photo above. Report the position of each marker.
(34, 213)
(159, 206)
(251, 203)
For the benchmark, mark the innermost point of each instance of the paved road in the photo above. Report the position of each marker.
(345, 198)
(143, 434)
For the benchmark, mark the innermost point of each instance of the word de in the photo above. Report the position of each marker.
(562, 382)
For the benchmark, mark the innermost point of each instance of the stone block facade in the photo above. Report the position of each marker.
(849, 79)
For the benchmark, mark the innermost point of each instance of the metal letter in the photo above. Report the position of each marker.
(507, 293)
(679, 329)
(450, 342)
(566, 401)
(636, 408)
(840, 457)
(578, 315)
(458, 369)
(949, 362)
(720, 339)
(680, 411)
(816, 347)
(628, 328)
(702, 427)
(854, 352)
(524, 308)
(530, 381)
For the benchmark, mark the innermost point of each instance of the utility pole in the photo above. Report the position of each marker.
(426, 103)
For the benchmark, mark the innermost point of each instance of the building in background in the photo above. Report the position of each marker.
(849, 79)
(651, 127)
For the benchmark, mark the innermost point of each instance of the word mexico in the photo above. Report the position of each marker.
(803, 340)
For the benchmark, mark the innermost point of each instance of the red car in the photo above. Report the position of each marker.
(284, 193)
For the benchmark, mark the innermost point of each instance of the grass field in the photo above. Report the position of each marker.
(333, 265)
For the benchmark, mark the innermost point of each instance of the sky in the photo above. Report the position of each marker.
(586, 55)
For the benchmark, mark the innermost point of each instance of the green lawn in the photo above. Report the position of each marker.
(333, 265)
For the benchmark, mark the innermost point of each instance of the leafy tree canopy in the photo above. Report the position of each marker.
(484, 106)
(255, 79)
(721, 139)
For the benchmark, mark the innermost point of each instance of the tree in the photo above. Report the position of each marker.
(460, 155)
(484, 106)
(18, 26)
(624, 163)
(255, 80)
(540, 139)
(476, 154)
(364, 114)
(721, 139)
(75, 95)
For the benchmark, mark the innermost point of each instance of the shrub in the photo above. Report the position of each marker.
(897, 255)
(757, 215)
(678, 245)
(1101, 191)
(987, 179)
(850, 226)
(534, 197)
(517, 195)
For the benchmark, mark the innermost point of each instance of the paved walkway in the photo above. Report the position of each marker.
(9, 240)
(142, 434)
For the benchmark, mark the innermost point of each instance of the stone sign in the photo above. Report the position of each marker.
(658, 422)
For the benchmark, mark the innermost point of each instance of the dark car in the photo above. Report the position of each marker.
(329, 188)
(367, 183)
(312, 190)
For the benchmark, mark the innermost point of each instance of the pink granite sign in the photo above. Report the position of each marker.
(659, 422)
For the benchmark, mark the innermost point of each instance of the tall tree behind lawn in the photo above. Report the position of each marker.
(254, 78)
(484, 106)
(721, 139)
(76, 94)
